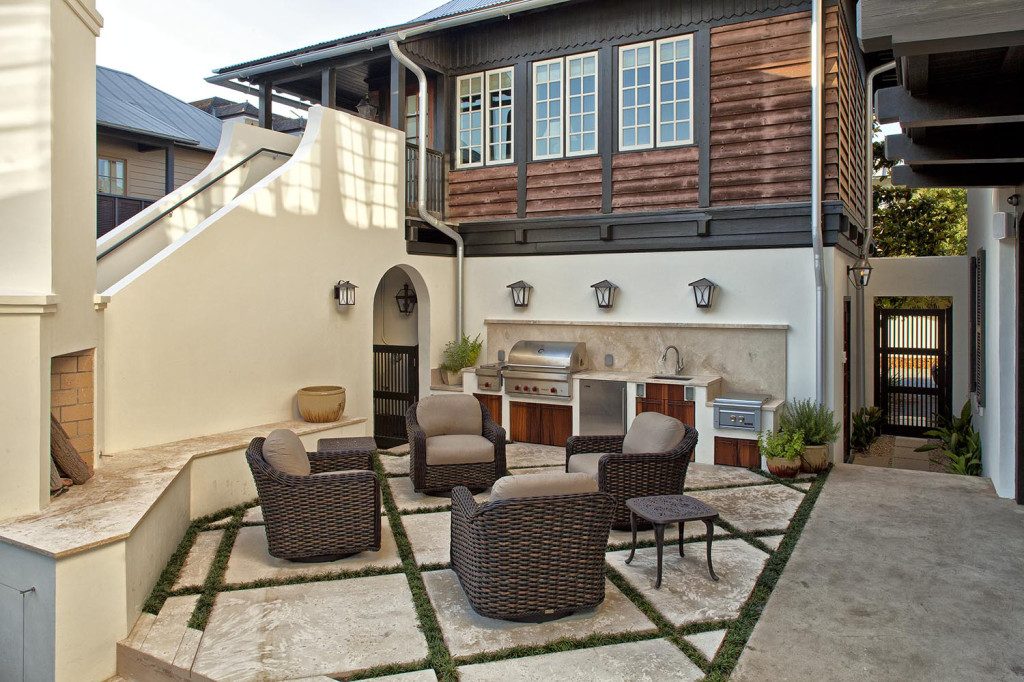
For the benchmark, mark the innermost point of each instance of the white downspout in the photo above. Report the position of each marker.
(421, 185)
(869, 216)
(817, 67)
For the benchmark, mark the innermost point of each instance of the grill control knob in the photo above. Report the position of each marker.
(517, 387)
(534, 389)
(554, 390)
(487, 384)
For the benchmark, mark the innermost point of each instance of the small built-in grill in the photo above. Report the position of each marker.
(542, 368)
(739, 411)
(489, 377)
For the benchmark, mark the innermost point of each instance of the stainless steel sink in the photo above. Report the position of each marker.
(673, 377)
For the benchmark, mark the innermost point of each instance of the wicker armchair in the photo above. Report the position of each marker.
(531, 558)
(624, 476)
(437, 477)
(330, 514)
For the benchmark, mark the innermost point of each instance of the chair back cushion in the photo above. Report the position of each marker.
(653, 432)
(536, 485)
(285, 452)
(449, 415)
(459, 449)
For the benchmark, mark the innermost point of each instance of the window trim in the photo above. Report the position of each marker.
(597, 104)
(487, 118)
(112, 160)
(653, 85)
(483, 111)
(657, 99)
(533, 110)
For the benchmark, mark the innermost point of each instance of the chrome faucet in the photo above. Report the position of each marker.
(679, 358)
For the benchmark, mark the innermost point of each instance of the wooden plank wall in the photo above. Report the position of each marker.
(841, 55)
(761, 111)
(145, 170)
(655, 180)
(563, 187)
(482, 193)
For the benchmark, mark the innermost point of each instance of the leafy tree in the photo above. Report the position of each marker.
(916, 222)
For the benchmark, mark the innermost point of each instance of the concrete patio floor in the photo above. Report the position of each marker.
(273, 620)
(898, 575)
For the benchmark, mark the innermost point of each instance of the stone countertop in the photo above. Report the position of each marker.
(111, 504)
(446, 388)
(701, 380)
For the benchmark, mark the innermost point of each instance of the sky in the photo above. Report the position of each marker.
(175, 46)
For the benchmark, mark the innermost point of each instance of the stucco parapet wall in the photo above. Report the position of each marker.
(28, 304)
(627, 323)
(107, 509)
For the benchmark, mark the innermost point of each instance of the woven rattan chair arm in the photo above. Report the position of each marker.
(463, 503)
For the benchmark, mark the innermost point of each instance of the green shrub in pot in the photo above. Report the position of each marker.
(959, 443)
(782, 451)
(819, 427)
(458, 355)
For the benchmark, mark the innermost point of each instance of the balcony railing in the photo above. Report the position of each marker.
(114, 209)
(436, 164)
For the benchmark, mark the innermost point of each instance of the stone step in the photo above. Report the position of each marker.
(161, 648)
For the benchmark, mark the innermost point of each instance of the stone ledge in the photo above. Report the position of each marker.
(126, 486)
(627, 323)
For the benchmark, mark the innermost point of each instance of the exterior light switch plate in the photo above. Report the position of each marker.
(609, 360)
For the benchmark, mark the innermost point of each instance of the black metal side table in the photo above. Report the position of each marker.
(661, 510)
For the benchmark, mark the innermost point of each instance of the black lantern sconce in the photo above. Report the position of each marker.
(367, 109)
(859, 273)
(520, 293)
(406, 299)
(605, 292)
(704, 292)
(345, 294)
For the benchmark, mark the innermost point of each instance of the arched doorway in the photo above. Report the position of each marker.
(397, 306)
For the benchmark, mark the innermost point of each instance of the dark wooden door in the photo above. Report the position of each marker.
(540, 423)
(846, 380)
(737, 452)
(493, 405)
(396, 386)
(668, 399)
(913, 368)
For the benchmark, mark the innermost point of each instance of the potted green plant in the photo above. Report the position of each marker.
(781, 450)
(867, 426)
(819, 428)
(958, 442)
(458, 355)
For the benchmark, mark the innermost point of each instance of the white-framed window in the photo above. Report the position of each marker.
(565, 106)
(412, 117)
(675, 91)
(547, 109)
(581, 104)
(110, 176)
(656, 93)
(470, 121)
(500, 119)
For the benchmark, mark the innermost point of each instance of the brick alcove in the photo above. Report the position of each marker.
(72, 396)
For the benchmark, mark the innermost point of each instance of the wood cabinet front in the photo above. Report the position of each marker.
(493, 405)
(540, 423)
(668, 399)
(737, 452)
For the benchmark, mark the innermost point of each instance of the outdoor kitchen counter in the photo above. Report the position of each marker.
(701, 380)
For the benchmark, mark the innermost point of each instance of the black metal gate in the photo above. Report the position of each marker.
(396, 386)
(913, 368)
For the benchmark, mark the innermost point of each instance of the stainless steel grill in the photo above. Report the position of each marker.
(739, 411)
(542, 368)
(489, 377)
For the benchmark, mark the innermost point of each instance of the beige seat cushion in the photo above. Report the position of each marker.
(536, 485)
(459, 449)
(585, 463)
(446, 415)
(652, 432)
(285, 452)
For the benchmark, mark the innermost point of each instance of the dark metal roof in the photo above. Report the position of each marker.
(454, 7)
(124, 102)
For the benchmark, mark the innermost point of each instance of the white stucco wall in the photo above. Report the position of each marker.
(996, 421)
(931, 276)
(219, 329)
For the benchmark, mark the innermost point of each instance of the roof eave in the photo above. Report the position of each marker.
(113, 127)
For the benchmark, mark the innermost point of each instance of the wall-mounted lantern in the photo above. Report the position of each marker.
(520, 293)
(367, 109)
(605, 292)
(406, 299)
(859, 273)
(703, 292)
(345, 293)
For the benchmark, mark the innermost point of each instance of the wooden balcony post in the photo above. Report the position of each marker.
(169, 169)
(329, 88)
(266, 98)
(397, 86)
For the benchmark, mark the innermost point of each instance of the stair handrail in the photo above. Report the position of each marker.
(181, 202)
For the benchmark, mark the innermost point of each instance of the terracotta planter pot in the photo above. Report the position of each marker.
(814, 459)
(783, 468)
(452, 378)
(321, 404)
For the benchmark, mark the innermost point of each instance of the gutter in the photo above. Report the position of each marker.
(421, 187)
(817, 112)
(384, 39)
(869, 218)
